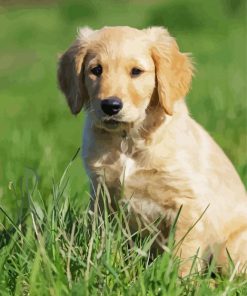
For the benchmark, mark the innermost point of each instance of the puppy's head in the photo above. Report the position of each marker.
(117, 72)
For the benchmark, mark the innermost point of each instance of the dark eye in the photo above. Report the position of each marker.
(136, 72)
(97, 71)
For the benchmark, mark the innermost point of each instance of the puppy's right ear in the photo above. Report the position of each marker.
(70, 71)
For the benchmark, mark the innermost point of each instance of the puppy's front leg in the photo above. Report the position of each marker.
(191, 244)
(191, 255)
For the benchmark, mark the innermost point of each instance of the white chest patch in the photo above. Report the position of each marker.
(129, 167)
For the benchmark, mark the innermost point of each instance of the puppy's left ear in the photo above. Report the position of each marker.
(174, 69)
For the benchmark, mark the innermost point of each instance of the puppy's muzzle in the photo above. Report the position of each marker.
(111, 106)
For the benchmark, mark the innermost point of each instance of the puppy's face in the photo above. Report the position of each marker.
(119, 75)
(117, 72)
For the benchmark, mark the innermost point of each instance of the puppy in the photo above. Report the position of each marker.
(138, 135)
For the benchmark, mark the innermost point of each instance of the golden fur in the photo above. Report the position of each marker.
(161, 156)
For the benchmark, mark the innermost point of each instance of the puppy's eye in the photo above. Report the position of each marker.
(136, 72)
(97, 71)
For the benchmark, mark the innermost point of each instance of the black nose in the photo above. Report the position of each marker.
(111, 106)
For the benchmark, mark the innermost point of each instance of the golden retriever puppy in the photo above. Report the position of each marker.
(138, 135)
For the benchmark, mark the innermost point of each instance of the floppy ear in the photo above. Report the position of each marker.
(70, 72)
(174, 69)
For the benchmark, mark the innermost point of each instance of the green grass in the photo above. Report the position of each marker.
(49, 245)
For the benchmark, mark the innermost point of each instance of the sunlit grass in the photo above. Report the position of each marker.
(60, 248)
(45, 229)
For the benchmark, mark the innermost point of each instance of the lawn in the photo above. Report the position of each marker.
(49, 245)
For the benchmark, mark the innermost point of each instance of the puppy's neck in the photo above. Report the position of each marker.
(155, 118)
(142, 134)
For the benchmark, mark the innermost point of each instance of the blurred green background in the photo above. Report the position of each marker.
(38, 135)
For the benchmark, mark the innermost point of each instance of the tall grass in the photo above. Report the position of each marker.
(63, 249)
(50, 244)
